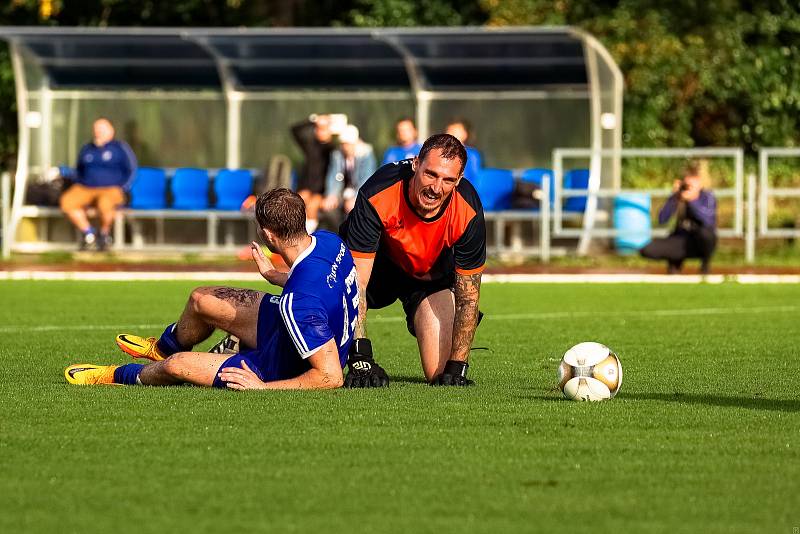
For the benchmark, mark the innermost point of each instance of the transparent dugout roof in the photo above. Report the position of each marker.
(435, 59)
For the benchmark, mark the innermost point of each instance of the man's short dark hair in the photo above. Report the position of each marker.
(405, 119)
(283, 213)
(450, 146)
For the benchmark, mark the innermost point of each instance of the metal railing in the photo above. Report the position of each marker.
(751, 209)
(767, 192)
(515, 218)
(595, 192)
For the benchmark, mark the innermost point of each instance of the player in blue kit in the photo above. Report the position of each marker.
(298, 340)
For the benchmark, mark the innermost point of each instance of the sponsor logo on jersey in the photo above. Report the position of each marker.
(331, 278)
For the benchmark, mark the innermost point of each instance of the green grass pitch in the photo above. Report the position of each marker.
(703, 436)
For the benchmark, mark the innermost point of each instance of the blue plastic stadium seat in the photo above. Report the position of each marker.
(232, 187)
(149, 189)
(576, 179)
(536, 176)
(190, 189)
(474, 163)
(494, 187)
(632, 219)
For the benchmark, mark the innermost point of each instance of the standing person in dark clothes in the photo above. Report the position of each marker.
(695, 234)
(314, 137)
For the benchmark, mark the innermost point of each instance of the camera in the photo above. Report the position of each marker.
(683, 187)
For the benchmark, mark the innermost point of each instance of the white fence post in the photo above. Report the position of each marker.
(750, 237)
(544, 222)
(763, 193)
(5, 206)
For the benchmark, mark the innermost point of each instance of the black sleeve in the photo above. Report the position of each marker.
(363, 228)
(303, 134)
(470, 249)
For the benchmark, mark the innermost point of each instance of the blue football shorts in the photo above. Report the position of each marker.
(274, 357)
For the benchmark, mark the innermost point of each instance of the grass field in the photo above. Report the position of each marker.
(703, 437)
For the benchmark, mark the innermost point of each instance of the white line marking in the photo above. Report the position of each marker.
(79, 327)
(589, 278)
(592, 278)
(491, 317)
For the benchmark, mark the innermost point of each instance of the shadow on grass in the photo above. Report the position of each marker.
(750, 403)
(407, 379)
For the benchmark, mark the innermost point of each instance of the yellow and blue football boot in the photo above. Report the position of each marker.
(85, 374)
(140, 347)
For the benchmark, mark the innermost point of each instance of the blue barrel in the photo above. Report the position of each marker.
(632, 220)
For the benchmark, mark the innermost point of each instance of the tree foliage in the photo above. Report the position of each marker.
(696, 72)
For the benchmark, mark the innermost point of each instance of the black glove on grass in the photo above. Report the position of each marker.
(454, 374)
(363, 372)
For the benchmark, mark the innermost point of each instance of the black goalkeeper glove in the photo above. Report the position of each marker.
(363, 371)
(454, 374)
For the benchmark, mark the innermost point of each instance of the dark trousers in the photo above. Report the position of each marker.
(681, 245)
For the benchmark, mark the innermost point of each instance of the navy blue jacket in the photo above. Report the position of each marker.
(702, 210)
(113, 164)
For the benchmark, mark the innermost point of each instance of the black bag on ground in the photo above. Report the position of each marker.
(46, 193)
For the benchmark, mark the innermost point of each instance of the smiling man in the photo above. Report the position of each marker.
(417, 235)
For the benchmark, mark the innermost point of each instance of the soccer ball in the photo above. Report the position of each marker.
(589, 371)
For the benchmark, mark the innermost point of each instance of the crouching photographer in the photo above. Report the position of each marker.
(695, 233)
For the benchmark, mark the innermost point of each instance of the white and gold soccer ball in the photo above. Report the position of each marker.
(589, 371)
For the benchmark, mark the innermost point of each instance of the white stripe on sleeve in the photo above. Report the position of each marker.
(285, 309)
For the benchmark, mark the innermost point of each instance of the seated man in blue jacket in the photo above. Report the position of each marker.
(105, 170)
(695, 234)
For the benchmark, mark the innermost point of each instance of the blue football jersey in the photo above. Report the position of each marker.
(320, 299)
(399, 153)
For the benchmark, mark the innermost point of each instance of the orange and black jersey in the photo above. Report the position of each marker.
(383, 222)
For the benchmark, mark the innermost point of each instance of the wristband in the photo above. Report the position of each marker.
(455, 367)
(362, 347)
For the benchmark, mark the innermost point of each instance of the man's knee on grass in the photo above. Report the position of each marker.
(190, 367)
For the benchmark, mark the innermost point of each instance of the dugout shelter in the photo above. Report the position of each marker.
(226, 97)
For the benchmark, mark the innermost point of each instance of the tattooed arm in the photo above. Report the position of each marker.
(467, 294)
(364, 270)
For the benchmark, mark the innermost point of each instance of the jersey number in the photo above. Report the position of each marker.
(350, 287)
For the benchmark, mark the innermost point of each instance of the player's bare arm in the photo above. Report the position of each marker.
(325, 373)
(364, 270)
(467, 293)
(265, 267)
(364, 372)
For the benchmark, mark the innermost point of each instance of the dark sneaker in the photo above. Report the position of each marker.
(88, 241)
(104, 242)
(227, 345)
